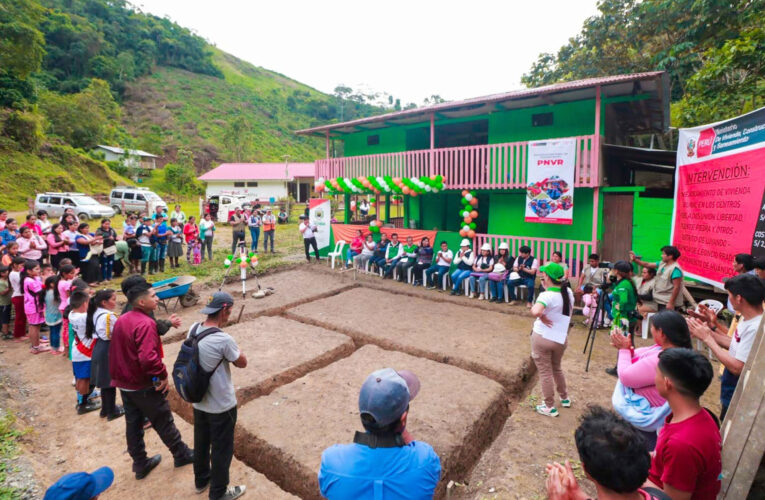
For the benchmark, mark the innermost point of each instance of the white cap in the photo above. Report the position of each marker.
(486, 246)
(503, 246)
(465, 242)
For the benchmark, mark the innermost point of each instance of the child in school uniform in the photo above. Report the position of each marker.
(63, 285)
(17, 299)
(101, 319)
(53, 316)
(34, 304)
(82, 352)
(5, 302)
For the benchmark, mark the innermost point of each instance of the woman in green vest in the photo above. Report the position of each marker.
(624, 302)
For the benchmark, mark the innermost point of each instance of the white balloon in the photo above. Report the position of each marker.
(468, 197)
(466, 228)
(428, 189)
(435, 190)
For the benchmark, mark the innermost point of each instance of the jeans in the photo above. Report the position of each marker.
(107, 267)
(418, 269)
(266, 236)
(254, 236)
(529, 282)
(55, 335)
(207, 244)
(481, 283)
(236, 237)
(311, 242)
(378, 261)
(403, 266)
(213, 449)
(161, 251)
(152, 405)
(458, 276)
(389, 266)
(360, 261)
(351, 255)
(435, 268)
(497, 289)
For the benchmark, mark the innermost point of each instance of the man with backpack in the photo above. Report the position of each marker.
(209, 388)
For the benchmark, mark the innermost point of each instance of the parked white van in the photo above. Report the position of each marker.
(84, 206)
(135, 199)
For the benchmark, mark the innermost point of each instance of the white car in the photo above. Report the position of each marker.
(84, 206)
(135, 199)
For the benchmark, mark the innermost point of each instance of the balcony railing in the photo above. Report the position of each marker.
(489, 166)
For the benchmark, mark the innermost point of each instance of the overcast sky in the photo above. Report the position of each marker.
(410, 49)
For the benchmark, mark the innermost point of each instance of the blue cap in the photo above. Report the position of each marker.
(386, 394)
(81, 485)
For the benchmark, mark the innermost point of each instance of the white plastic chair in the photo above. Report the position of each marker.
(716, 306)
(646, 324)
(337, 252)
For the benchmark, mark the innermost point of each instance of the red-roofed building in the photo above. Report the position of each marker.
(261, 181)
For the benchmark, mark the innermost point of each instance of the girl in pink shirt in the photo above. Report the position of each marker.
(34, 304)
(61, 292)
(57, 244)
(31, 244)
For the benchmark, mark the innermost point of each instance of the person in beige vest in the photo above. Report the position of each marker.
(592, 275)
(668, 283)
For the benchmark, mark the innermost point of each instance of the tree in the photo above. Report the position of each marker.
(237, 138)
(22, 45)
(180, 176)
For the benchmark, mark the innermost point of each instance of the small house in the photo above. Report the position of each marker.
(134, 158)
(261, 181)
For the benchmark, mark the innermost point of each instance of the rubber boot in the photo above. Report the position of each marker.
(152, 266)
(162, 265)
(143, 268)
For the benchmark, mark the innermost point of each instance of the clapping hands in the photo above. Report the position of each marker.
(561, 483)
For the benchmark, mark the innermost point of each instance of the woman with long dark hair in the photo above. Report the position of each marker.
(423, 260)
(636, 397)
(88, 260)
(100, 324)
(549, 336)
(57, 245)
(624, 300)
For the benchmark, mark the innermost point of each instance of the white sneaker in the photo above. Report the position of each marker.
(480, 297)
(544, 410)
(234, 492)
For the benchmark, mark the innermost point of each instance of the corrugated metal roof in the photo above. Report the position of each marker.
(119, 151)
(554, 88)
(258, 171)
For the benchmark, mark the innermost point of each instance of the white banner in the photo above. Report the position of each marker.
(550, 176)
(319, 214)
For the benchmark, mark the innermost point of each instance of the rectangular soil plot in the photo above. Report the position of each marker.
(489, 343)
(291, 288)
(278, 351)
(283, 434)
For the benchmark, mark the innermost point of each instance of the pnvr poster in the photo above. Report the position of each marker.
(550, 189)
(719, 195)
(318, 213)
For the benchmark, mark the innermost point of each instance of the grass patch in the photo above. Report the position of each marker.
(9, 436)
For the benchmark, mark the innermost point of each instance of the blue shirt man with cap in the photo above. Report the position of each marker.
(81, 485)
(384, 462)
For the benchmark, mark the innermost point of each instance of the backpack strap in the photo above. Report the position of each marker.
(198, 337)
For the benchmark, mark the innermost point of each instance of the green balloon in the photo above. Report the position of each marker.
(472, 225)
(371, 200)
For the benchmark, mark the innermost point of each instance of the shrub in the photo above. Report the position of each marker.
(25, 128)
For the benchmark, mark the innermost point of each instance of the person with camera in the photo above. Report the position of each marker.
(592, 275)
(238, 222)
(623, 302)
(668, 286)
(384, 461)
(549, 337)
(635, 396)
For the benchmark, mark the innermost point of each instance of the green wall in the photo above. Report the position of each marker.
(651, 227)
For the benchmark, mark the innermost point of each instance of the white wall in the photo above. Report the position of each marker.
(264, 191)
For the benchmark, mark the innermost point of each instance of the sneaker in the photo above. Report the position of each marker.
(234, 492)
(431, 287)
(565, 403)
(480, 297)
(120, 411)
(612, 371)
(187, 459)
(453, 292)
(150, 465)
(544, 410)
(82, 409)
(202, 489)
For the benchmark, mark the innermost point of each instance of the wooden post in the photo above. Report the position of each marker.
(326, 143)
(596, 168)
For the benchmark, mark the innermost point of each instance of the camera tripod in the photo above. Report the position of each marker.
(600, 308)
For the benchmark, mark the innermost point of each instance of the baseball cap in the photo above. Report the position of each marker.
(386, 393)
(553, 270)
(216, 302)
(81, 485)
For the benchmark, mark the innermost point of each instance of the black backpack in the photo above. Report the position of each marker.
(191, 380)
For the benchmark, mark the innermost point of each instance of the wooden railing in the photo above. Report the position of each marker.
(489, 166)
(574, 252)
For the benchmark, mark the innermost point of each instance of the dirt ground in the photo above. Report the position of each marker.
(299, 393)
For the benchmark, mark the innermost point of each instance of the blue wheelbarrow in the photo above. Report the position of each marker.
(178, 288)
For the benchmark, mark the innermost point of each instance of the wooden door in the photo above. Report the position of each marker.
(617, 226)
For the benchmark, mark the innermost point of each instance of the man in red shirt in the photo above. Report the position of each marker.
(686, 464)
(136, 367)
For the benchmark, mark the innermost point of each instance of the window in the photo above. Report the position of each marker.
(129, 196)
(69, 202)
(139, 197)
(373, 140)
(117, 195)
(239, 184)
(54, 200)
(225, 201)
(42, 199)
(542, 120)
(252, 184)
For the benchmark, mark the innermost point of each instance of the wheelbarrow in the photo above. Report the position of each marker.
(178, 288)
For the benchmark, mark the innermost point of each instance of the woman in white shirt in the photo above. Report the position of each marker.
(552, 311)
(367, 251)
(206, 234)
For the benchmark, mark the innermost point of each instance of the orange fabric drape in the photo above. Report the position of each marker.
(347, 232)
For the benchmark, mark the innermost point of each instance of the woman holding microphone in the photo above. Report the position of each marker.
(549, 336)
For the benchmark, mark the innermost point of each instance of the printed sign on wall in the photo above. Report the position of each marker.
(719, 200)
(319, 214)
(550, 189)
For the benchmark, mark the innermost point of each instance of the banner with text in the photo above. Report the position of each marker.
(719, 195)
(550, 189)
(319, 214)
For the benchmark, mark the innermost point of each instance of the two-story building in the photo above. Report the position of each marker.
(623, 194)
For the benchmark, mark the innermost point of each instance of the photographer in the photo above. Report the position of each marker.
(668, 286)
(309, 240)
(623, 302)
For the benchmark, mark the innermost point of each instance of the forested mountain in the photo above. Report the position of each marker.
(714, 51)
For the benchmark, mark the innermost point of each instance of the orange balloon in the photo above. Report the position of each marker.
(463, 233)
(405, 190)
(361, 179)
(464, 192)
(413, 194)
(474, 202)
(366, 183)
(468, 219)
(432, 177)
(443, 179)
(397, 180)
(474, 214)
(471, 234)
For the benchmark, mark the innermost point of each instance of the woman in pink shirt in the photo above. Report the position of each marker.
(57, 244)
(637, 367)
(31, 244)
(356, 243)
